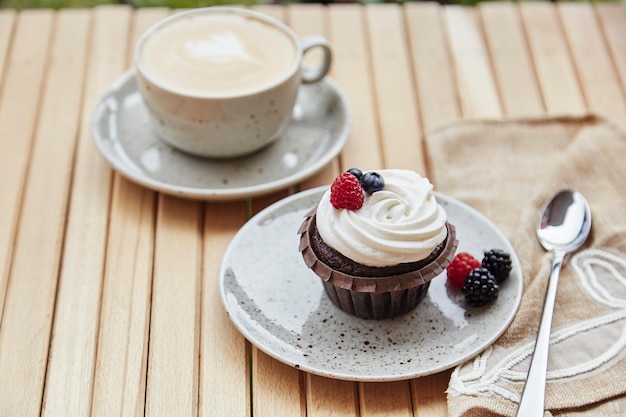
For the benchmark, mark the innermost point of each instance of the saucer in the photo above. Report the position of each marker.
(317, 132)
(279, 304)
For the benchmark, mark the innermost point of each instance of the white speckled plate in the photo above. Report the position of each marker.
(316, 134)
(279, 305)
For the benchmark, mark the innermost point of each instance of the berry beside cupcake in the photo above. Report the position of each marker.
(376, 240)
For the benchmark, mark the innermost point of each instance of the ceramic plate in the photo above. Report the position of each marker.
(316, 134)
(279, 305)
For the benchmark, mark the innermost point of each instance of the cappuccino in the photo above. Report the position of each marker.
(218, 54)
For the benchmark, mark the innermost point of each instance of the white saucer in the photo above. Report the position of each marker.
(279, 305)
(316, 134)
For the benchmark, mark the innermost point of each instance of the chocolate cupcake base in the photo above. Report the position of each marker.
(381, 293)
(372, 305)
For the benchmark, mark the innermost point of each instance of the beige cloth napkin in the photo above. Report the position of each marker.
(507, 170)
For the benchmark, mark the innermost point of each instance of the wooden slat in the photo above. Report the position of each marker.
(592, 59)
(432, 65)
(278, 389)
(7, 21)
(41, 231)
(27, 314)
(173, 360)
(474, 75)
(397, 111)
(555, 73)
(429, 395)
(305, 20)
(392, 399)
(438, 105)
(120, 375)
(612, 20)
(18, 114)
(331, 397)
(224, 366)
(351, 69)
(322, 394)
(511, 61)
(275, 386)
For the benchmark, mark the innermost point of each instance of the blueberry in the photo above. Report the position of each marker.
(372, 182)
(356, 172)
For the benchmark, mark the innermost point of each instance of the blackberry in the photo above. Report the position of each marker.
(372, 182)
(480, 287)
(498, 262)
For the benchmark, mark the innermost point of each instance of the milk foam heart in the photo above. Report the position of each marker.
(218, 54)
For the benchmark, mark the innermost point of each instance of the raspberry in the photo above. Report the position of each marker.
(460, 266)
(498, 262)
(480, 287)
(346, 192)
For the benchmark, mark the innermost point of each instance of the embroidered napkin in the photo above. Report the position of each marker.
(507, 170)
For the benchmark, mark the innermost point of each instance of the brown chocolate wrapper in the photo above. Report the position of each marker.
(376, 297)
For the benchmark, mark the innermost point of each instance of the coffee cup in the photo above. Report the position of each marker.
(222, 82)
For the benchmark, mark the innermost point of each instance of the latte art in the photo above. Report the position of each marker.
(221, 48)
(218, 54)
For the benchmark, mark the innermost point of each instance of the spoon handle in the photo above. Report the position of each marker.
(533, 396)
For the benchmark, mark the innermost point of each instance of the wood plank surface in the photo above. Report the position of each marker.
(225, 354)
(27, 315)
(397, 113)
(109, 295)
(173, 359)
(592, 59)
(432, 65)
(352, 71)
(478, 93)
(7, 22)
(555, 73)
(121, 366)
(611, 19)
(68, 382)
(512, 65)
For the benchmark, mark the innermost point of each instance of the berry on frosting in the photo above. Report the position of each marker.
(356, 172)
(460, 267)
(372, 182)
(346, 192)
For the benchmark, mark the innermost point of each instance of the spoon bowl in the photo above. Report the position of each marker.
(564, 225)
(565, 222)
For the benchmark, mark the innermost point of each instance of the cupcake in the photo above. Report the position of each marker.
(376, 240)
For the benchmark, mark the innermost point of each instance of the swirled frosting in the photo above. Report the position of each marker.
(401, 223)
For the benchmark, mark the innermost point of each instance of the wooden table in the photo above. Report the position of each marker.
(109, 294)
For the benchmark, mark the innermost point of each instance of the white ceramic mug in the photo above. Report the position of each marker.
(222, 82)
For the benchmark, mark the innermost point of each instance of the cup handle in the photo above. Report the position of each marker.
(313, 75)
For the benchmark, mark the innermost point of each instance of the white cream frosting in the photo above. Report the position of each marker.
(402, 223)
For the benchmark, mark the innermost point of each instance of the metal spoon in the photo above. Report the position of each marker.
(563, 227)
